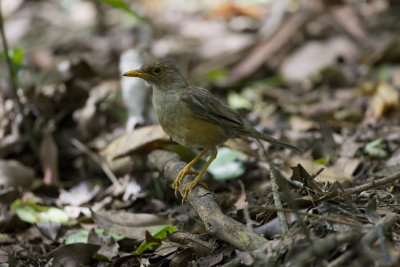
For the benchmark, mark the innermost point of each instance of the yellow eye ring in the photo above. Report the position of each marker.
(156, 70)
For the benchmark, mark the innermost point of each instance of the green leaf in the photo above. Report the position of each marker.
(82, 236)
(216, 74)
(120, 4)
(375, 149)
(384, 72)
(17, 56)
(31, 212)
(226, 166)
(78, 237)
(237, 101)
(115, 236)
(160, 233)
(322, 161)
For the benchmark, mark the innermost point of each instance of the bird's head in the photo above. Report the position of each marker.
(160, 73)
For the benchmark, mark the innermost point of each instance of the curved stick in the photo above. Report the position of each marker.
(203, 202)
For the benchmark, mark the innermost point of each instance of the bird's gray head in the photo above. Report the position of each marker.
(160, 73)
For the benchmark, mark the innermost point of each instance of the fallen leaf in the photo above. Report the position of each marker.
(328, 173)
(300, 124)
(347, 165)
(182, 258)
(131, 225)
(386, 97)
(49, 229)
(167, 248)
(141, 140)
(79, 194)
(14, 173)
(375, 149)
(226, 166)
(109, 246)
(49, 159)
(298, 66)
(73, 254)
(154, 239)
(31, 212)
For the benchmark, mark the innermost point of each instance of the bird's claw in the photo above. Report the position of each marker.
(189, 187)
(180, 177)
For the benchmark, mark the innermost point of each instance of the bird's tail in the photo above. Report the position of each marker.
(257, 135)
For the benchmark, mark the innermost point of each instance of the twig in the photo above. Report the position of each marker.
(96, 158)
(277, 201)
(274, 19)
(203, 202)
(317, 216)
(384, 224)
(266, 48)
(373, 184)
(324, 246)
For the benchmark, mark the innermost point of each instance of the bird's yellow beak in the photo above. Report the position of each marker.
(137, 73)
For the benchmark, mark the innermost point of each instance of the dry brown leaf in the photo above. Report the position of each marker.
(49, 159)
(230, 9)
(132, 225)
(386, 97)
(300, 124)
(264, 50)
(141, 140)
(347, 166)
(328, 174)
(315, 56)
(14, 173)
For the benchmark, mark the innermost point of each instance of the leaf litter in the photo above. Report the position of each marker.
(323, 76)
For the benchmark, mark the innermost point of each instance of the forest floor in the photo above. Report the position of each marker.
(86, 172)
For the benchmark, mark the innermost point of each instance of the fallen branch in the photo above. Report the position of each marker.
(362, 238)
(373, 184)
(386, 223)
(203, 202)
(96, 158)
(278, 202)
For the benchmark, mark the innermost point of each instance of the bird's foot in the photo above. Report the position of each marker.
(180, 177)
(189, 187)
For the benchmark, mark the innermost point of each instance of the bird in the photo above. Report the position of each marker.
(192, 116)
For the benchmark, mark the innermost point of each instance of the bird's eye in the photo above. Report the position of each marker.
(157, 70)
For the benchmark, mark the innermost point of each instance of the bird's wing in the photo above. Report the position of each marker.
(207, 107)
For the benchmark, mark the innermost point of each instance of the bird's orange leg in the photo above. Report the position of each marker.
(197, 180)
(187, 170)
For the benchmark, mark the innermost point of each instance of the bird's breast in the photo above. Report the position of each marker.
(177, 120)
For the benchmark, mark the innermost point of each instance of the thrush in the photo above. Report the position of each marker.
(192, 116)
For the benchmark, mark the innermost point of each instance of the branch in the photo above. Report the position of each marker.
(203, 202)
(373, 184)
(364, 238)
(278, 202)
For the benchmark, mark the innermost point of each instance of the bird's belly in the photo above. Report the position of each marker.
(187, 130)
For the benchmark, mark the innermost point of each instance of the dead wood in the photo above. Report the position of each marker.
(205, 205)
(364, 238)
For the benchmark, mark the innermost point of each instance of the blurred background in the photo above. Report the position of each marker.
(321, 74)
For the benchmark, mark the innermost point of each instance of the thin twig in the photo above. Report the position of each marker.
(277, 201)
(317, 216)
(373, 184)
(96, 158)
(384, 224)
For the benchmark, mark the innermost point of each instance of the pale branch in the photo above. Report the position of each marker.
(373, 184)
(205, 205)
